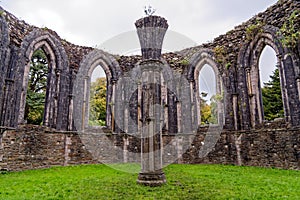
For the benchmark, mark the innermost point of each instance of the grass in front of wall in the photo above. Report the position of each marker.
(183, 182)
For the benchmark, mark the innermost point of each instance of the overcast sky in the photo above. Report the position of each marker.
(110, 24)
(92, 22)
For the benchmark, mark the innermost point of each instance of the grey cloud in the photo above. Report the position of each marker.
(93, 21)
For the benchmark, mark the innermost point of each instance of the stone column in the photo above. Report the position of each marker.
(151, 31)
(152, 120)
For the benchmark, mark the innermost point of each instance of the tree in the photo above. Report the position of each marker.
(214, 108)
(98, 102)
(36, 90)
(205, 109)
(272, 98)
(209, 112)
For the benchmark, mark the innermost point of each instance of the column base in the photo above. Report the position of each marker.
(152, 179)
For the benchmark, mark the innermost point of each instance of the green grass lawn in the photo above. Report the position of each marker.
(183, 182)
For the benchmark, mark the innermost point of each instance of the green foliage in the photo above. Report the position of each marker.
(228, 65)
(289, 30)
(220, 54)
(184, 62)
(272, 98)
(218, 97)
(214, 100)
(222, 57)
(98, 102)
(253, 30)
(205, 112)
(183, 182)
(36, 90)
(209, 112)
(45, 28)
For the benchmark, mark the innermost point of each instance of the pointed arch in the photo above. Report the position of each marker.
(250, 95)
(198, 60)
(81, 89)
(55, 114)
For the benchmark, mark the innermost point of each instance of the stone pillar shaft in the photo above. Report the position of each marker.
(151, 133)
(151, 31)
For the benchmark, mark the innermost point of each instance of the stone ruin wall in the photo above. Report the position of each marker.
(33, 147)
(245, 140)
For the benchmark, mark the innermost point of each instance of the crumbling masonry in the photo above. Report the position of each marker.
(245, 137)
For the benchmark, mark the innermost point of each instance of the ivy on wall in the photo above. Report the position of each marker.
(289, 30)
(221, 55)
(254, 29)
